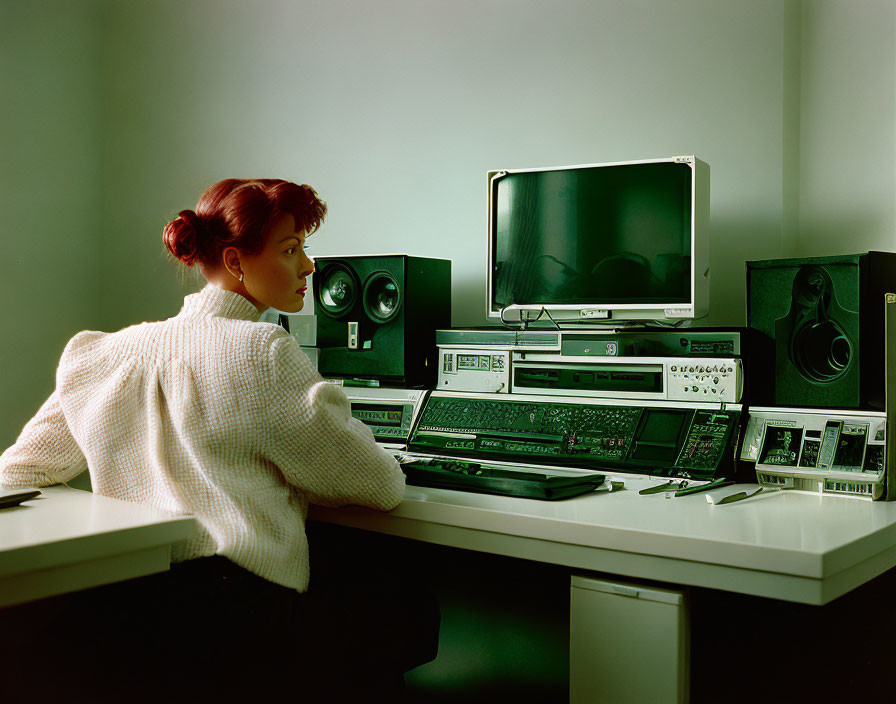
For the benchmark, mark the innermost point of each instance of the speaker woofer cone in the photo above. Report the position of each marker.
(337, 290)
(841, 352)
(822, 353)
(381, 297)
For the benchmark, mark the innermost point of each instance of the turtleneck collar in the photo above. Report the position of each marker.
(215, 301)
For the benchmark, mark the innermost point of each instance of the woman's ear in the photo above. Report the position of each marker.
(231, 259)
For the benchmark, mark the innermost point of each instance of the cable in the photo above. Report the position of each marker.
(616, 325)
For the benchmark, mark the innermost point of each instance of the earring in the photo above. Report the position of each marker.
(241, 277)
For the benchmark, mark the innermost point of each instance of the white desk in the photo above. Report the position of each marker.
(67, 539)
(783, 545)
(788, 546)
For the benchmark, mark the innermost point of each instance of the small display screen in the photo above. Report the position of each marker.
(851, 448)
(475, 362)
(829, 443)
(377, 414)
(658, 436)
(612, 234)
(781, 447)
(809, 457)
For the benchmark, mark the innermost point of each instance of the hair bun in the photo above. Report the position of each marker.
(238, 213)
(181, 236)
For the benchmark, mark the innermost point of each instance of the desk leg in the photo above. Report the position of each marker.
(628, 644)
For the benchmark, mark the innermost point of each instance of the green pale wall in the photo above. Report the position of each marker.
(848, 138)
(120, 112)
(395, 110)
(50, 193)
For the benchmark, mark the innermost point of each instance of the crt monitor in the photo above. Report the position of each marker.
(622, 241)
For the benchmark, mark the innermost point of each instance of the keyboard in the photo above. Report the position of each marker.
(472, 476)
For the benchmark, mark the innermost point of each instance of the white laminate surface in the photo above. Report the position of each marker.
(789, 545)
(68, 539)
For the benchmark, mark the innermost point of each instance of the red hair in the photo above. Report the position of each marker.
(237, 213)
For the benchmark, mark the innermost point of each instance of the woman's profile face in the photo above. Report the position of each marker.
(277, 276)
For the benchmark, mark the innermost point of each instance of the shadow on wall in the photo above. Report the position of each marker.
(733, 244)
(853, 234)
(468, 306)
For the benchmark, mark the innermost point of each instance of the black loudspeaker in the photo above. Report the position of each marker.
(377, 316)
(818, 330)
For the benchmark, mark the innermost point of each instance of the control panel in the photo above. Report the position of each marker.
(676, 440)
(704, 380)
(478, 370)
(708, 380)
(819, 450)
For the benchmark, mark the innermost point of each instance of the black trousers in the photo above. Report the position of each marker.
(208, 628)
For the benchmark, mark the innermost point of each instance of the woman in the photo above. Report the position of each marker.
(215, 414)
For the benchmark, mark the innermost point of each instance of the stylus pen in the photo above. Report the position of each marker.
(715, 484)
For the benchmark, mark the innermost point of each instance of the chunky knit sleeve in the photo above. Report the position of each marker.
(317, 444)
(45, 452)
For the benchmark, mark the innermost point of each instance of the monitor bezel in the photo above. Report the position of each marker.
(597, 314)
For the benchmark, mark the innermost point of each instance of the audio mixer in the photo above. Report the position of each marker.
(673, 439)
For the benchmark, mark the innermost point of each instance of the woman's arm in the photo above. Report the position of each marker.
(45, 452)
(318, 445)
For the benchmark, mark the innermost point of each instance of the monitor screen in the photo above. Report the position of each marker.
(616, 236)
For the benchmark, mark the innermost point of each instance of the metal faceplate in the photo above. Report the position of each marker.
(390, 413)
(475, 370)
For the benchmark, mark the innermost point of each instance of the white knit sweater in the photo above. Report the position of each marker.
(213, 414)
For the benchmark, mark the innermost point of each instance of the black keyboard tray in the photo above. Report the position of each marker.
(470, 476)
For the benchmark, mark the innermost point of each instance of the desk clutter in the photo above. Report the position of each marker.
(595, 275)
(670, 404)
